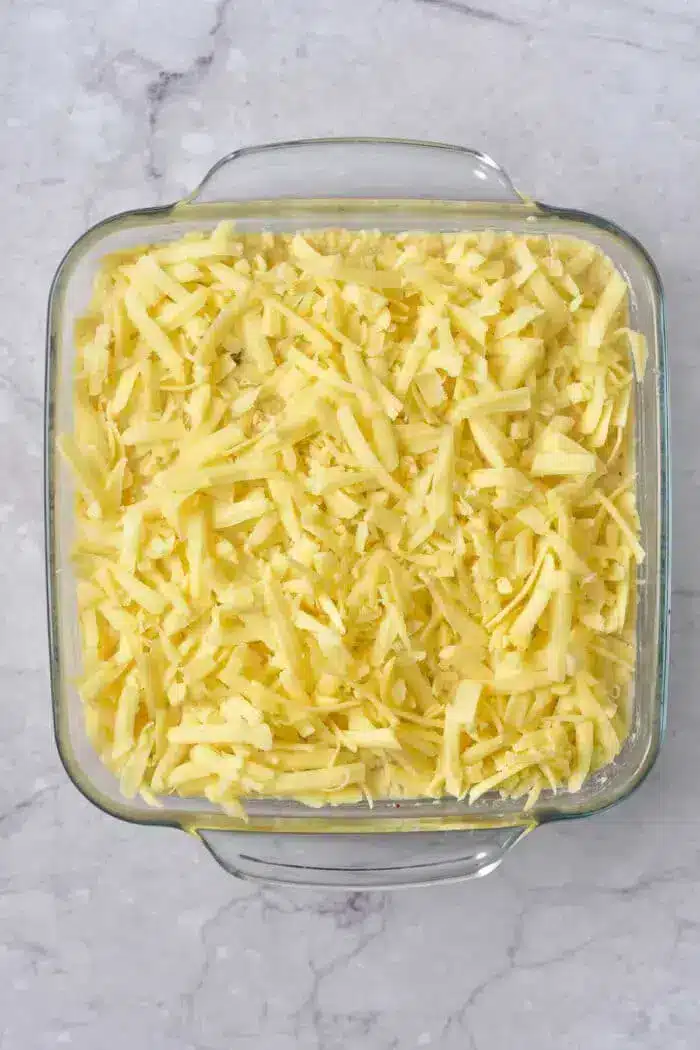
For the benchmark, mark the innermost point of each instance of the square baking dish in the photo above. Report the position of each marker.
(392, 185)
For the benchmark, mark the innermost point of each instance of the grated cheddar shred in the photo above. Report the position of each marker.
(356, 515)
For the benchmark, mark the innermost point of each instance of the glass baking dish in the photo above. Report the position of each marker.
(391, 185)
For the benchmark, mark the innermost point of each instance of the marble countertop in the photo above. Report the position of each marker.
(113, 935)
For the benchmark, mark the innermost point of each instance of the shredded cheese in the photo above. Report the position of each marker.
(356, 515)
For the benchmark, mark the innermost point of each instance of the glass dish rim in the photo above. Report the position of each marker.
(189, 209)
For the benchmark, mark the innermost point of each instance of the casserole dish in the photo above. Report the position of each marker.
(358, 184)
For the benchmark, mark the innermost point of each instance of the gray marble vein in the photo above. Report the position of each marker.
(111, 935)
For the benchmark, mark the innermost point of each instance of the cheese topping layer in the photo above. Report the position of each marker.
(356, 515)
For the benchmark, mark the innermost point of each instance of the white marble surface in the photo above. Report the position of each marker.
(114, 936)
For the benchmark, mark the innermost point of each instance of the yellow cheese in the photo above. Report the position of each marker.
(548, 464)
(494, 402)
(355, 515)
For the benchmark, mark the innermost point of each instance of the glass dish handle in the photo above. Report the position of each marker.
(355, 168)
(362, 861)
